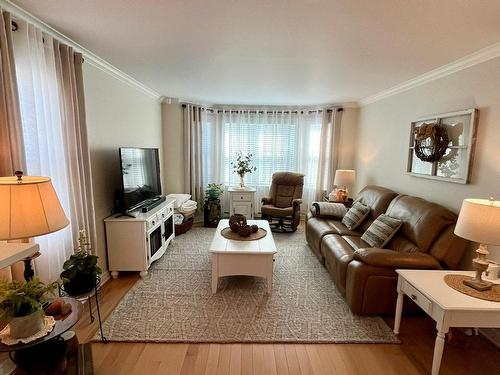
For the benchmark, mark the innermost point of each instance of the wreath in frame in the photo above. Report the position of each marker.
(431, 142)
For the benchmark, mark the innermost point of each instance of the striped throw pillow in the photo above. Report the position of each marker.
(381, 231)
(355, 216)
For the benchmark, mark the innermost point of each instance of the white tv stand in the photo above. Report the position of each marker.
(134, 243)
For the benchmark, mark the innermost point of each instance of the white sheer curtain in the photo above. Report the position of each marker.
(287, 140)
(43, 135)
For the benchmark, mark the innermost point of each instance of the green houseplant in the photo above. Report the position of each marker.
(81, 269)
(21, 305)
(214, 191)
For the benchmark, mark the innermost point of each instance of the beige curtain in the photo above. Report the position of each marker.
(193, 172)
(328, 153)
(72, 104)
(11, 134)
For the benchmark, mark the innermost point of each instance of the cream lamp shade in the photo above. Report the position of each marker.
(344, 177)
(479, 221)
(29, 207)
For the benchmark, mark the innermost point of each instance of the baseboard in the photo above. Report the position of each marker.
(491, 334)
(105, 276)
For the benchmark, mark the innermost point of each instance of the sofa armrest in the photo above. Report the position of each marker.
(266, 200)
(395, 259)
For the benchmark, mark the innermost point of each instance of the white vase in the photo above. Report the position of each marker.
(242, 181)
(25, 326)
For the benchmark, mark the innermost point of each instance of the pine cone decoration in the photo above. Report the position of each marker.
(236, 221)
(255, 228)
(245, 230)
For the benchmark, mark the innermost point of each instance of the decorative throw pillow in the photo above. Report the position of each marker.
(355, 216)
(328, 210)
(381, 231)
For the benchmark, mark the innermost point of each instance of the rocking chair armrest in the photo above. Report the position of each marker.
(267, 200)
(296, 202)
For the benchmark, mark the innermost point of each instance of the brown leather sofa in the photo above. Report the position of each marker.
(366, 276)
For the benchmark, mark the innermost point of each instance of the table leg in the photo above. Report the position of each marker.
(269, 276)
(399, 311)
(215, 278)
(438, 352)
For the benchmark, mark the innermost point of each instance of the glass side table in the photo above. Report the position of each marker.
(46, 354)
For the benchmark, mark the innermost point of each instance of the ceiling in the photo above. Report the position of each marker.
(282, 52)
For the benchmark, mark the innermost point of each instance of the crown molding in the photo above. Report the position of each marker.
(475, 58)
(90, 57)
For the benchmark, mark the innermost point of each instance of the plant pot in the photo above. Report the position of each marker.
(80, 284)
(25, 326)
(212, 213)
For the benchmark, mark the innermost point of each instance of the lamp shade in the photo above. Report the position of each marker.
(344, 177)
(29, 207)
(479, 221)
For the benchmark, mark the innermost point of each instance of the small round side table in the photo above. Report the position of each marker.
(88, 296)
(36, 354)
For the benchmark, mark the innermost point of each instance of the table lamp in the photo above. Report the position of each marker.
(479, 221)
(343, 179)
(29, 207)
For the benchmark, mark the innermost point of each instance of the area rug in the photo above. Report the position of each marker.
(174, 303)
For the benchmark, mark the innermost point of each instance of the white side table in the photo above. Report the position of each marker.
(448, 307)
(12, 252)
(241, 201)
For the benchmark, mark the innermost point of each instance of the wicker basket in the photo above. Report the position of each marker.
(184, 226)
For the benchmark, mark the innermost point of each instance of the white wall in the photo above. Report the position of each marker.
(172, 121)
(117, 115)
(348, 134)
(173, 140)
(383, 131)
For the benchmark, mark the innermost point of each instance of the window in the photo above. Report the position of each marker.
(278, 141)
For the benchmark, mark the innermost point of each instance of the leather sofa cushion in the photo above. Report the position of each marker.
(448, 249)
(337, 253)
(423, 221)
(388, 258)
(401, 243)
(315, 230)
(377, 198)
(340, 228)
(355, 242)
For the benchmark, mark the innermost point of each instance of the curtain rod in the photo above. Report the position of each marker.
(340, 109)
(15, 27)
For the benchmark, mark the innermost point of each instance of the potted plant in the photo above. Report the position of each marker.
(214, 191)
(212, 207)
(242, 166)
(80, 270)
(21, 305)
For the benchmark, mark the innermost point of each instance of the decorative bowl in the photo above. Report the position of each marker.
(236, 221)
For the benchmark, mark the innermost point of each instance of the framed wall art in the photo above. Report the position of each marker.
(442, 146)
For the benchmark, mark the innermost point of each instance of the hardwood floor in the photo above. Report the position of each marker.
(464, 355)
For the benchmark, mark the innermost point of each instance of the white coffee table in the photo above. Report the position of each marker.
(448, 307)
(251, 258)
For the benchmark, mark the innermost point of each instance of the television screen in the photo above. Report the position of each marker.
(140, 176)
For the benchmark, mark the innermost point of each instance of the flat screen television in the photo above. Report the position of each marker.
(140, 168)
